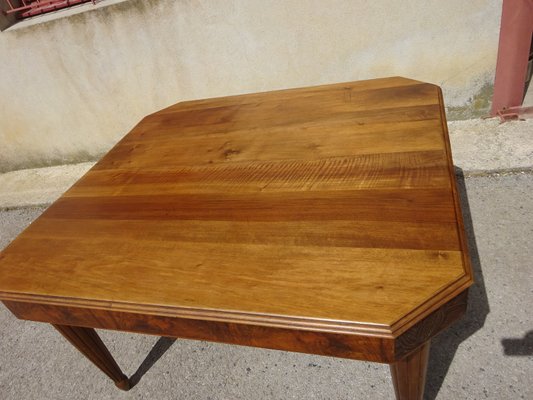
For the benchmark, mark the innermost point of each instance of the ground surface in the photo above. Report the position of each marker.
(485, 356)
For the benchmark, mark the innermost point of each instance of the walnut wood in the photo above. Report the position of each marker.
(322, 219)
(409, 374)
(430, 326)
(87, 341)
(379, 348)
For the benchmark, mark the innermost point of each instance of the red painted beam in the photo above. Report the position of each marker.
(513, 51)
(34, 7)
(44, 6)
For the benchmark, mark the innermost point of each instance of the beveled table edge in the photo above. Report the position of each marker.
(383, 348)
(395, 329)
(254, 319)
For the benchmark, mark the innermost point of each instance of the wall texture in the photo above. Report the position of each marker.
(71, 87)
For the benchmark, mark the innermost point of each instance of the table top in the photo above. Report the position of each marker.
(330, 208)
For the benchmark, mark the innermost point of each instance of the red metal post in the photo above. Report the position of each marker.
(515, 40)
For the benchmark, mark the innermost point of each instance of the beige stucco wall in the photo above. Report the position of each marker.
(71, 87)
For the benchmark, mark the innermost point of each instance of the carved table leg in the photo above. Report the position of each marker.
(409, 374)
(87, 341)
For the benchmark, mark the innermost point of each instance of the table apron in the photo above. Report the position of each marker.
(385, 349)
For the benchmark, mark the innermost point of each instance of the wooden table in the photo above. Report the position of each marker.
(322, 220)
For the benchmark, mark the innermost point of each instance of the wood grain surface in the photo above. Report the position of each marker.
(330, 208)
(409, 374)
(383, 347)
(87, 341)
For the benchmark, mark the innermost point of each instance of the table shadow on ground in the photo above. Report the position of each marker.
(160, 348)
(445, 345)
